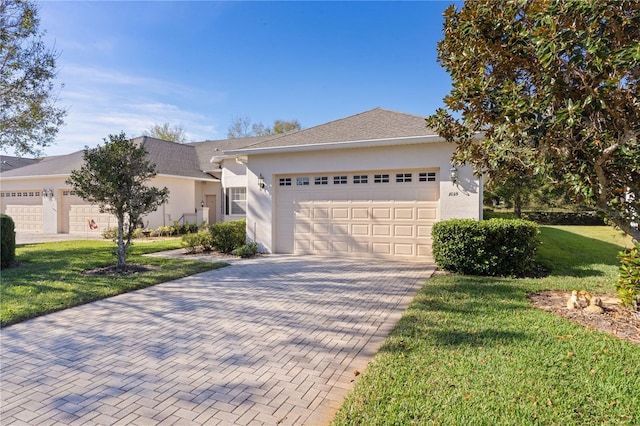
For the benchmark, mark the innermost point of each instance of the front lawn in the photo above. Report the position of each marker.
(471, 350)
(49, 275)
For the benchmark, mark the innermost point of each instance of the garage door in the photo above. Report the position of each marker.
(361, 214)
(25, 208)
(80, 217)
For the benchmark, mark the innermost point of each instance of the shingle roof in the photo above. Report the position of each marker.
(48, 166)
(170, 158)
(208, 149)
(374, 124)
(8, 162)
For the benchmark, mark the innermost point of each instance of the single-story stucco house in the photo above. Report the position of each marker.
(368, 185)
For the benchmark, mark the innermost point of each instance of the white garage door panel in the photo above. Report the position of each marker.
(392, 220)
(81, 215)
(26, 218)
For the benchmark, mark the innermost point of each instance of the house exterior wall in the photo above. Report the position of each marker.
(234, 175)
(461, 200)
(185, 196)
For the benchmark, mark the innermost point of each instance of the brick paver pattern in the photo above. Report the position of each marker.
(271, 340)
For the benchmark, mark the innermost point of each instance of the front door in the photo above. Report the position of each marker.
(211, 204)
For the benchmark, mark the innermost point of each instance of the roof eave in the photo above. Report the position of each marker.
(370, 143)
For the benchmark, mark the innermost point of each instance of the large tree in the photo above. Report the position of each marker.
(241, 127)
(113, 176)
(167, 132)
(29, 118)
(553, 88)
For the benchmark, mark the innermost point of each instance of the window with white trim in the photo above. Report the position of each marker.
(237, 200)
(284, 182)
(302, 181)
(340, 180)
(381, 178)
(361, 179)
(403, 177)
(427, 177)
(321, 180)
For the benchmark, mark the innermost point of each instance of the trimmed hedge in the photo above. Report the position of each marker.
(7, 241)
(228, 236)
(586, 218)
(494, 247)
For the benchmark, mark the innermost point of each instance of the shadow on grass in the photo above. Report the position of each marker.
(569, 254)
(460, 310)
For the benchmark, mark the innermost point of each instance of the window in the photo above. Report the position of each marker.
(403, 177)
(31, 194)
(361, 179)
(236, 200)
(381, 178)
(285, 182)
(427, 177)
(339, 180)
(300, 181)
(321, 180)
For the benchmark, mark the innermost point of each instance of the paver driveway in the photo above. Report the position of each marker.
(273, 340)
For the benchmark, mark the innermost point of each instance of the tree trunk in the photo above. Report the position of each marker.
(517, 205)
(122, 250)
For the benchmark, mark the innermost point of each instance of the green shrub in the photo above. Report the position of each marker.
(7, 241)
(197, 241)
(628, 284)
(247, 250)
(110, 233)
(227, 236)
(163, 231)
(495, 247)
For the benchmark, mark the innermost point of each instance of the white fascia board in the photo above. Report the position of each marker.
(210, 178)
(339, 145)
(33, 177)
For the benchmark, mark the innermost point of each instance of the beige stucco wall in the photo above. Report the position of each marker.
(462, 200)
(234, 175)
(185, 196)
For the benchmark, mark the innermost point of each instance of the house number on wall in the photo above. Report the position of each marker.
(453, 194)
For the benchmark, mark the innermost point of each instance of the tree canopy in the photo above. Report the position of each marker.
(29, 118)
(167, 132)
(553, 88)
(241, 127)
(113, 176)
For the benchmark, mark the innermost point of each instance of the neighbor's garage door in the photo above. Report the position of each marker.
(25, 208)
(78, 216)
(363, 214)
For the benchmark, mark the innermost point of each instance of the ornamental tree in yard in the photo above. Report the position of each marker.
(113, 177)
(553, 87)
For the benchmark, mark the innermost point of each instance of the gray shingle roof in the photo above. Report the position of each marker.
(208, 149)
(8, 162)
(170, 158)
(374, 124)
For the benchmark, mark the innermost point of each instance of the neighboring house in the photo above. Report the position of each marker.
(371, 184)
(11, 163)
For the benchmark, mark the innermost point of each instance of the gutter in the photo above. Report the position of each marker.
(370, 143)
(409, 140)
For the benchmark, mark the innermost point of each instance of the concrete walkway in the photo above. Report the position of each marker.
(272, 340)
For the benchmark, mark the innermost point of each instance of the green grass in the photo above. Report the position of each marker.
(49, 277)
(472, 351)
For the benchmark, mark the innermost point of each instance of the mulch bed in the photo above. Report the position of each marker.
(131, 268)
(617, 321)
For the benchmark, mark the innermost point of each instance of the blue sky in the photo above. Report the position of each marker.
(128, 65)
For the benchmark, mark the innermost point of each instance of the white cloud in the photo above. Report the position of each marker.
(103, 101)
